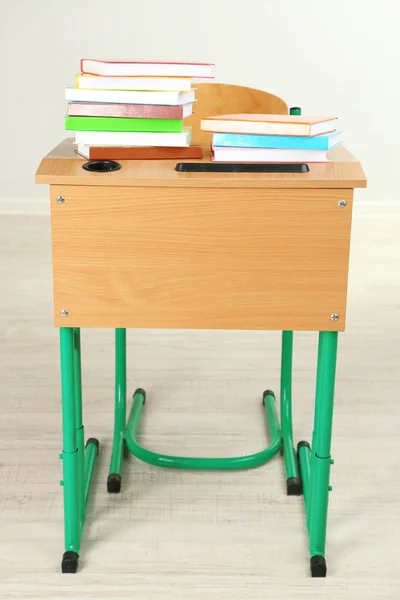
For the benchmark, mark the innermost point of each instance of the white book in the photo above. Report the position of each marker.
(129, 138)
(122, 68)
(83, 150)
(129, 97)
(267, 155)
(90, 82)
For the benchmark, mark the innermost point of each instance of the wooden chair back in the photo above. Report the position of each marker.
(219, 98)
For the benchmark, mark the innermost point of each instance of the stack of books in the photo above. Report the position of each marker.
(133, 110)
(271, 138)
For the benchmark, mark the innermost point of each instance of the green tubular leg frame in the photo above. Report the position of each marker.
(114, 478)
(70, 447)
(315, 465)
(77, 468)
(181, 462)
(92, 450)
(293, 482)
(304, 452)
(80, 434)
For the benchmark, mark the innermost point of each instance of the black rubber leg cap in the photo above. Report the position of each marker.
(267, 393)
(318, 566)
(141, 391)
(94, 441)
(114, 483)
(293, 486)
(301, 444)
(70, 562)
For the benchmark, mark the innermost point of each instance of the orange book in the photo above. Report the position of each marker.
(269, 124)
(138, 152)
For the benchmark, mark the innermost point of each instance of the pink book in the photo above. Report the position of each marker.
(124, 68)
(129, 111)
(266, 155)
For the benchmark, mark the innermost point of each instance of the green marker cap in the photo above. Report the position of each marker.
(295, 110)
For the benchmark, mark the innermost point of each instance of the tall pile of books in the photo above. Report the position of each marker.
(133, 110)
(264, 138)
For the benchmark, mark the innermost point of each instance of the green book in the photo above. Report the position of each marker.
(123, 124)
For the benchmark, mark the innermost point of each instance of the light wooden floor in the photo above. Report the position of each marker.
(182, 535)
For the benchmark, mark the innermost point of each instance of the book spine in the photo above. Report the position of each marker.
(144, 153)
(129, 97)
(89, 82)
(255, 128)
(267, 155)
(231, 140)
(80, 123)
(144, 111)
(112, 138)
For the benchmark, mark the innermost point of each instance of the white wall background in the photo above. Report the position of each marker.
(337, 57)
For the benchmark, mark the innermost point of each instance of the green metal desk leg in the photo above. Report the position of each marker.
(78, 462)
(72, 529)
(114, 478)
(304, 453)
(92, 450)
(80, 435)
(318, 392)
(293, 483)
(318, 492)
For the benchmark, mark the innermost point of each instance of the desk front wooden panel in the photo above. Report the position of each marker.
(200, 258)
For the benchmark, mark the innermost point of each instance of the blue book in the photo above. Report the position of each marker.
(292, 142)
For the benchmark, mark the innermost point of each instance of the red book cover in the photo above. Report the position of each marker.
(132, 111)
(140, 153)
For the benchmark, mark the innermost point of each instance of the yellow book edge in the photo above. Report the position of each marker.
(250, 128)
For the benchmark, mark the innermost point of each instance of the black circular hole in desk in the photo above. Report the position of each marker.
(102, 166)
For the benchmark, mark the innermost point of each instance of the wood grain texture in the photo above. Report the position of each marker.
(63, 166)
(147, 257)
(176, 535)
(218, 98)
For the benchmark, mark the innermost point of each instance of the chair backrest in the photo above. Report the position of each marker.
(219, 98)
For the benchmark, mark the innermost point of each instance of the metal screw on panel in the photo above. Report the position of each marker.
(330, 488)
(60, 199)
(342, 203)
(332, 461)
(334, 317)
(64, 313)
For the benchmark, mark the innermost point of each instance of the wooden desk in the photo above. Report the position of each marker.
(189, 250)
(147, 246)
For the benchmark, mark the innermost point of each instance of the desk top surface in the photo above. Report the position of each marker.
(63, 166)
